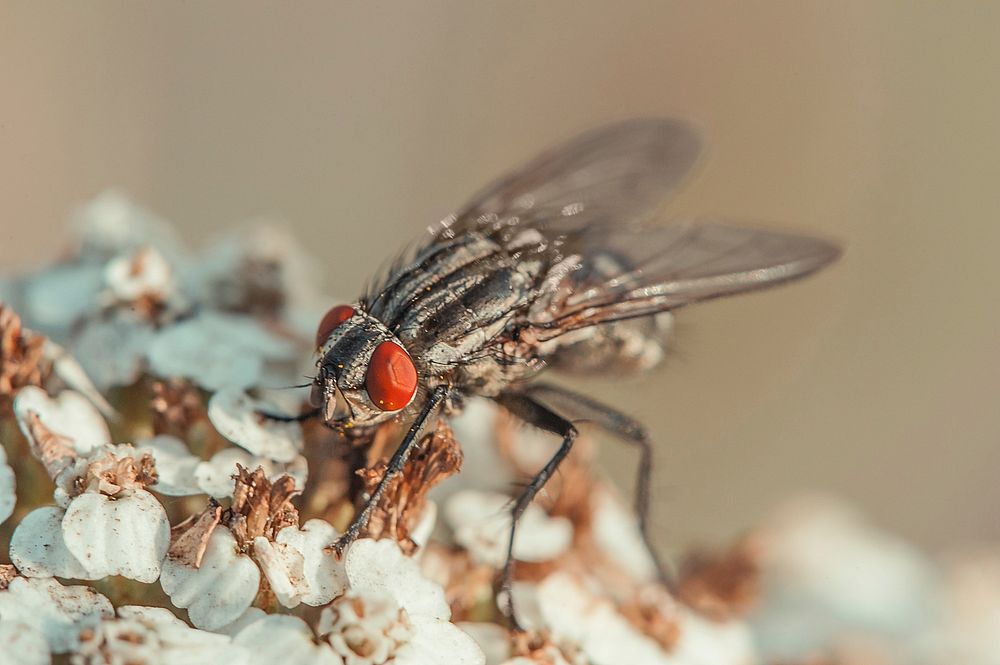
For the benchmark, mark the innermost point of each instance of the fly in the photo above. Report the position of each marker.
(552, 266)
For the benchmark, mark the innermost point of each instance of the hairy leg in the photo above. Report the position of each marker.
(533, 413)
(627, 429)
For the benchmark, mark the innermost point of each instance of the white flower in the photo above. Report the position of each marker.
(220, 590)
(616, 532)
(284, 639)
(179, 473)
(827, 572)
(298, 566)
(23, 644)
(155, 636)
(238, 417)
(106, 525)
(576, 613)
(215, 477)
(481, 523)
(62, 295)
(7, 486)
(57, 611)
(218, 350)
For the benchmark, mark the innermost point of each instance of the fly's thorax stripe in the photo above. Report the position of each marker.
(432, 267)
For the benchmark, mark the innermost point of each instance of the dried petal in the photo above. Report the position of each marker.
(128, 536)
(237, 417)
(21, 358)
(219, 591)
(70, 416)
(721, 586)
(189, 539)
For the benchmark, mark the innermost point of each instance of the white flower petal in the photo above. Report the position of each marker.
(616, 532)
(66, 367)
(175, 465)
(69, 414)
(113, 351)
(481, 523)
(284, 639)
(60, 296)
(180, 643)
(252, 615)
(57, 611)
(298, 566)
(8, 484)
(492, 638)
(128, 536)
(189, 350)
(215, 477)
(38, 550)
(705, 642)
(237, 417)
(437, 642)
(23, 644)
(380, 567)
(220, 590)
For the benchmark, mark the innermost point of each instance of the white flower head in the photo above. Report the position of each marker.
(299, 566)
(481, 522)
(58, 612)
(152, 635)
(106, 524)
(238, 417)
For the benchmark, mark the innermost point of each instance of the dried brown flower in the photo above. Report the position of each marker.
(654, 612)
(110, 474)
(7, 575)
(436, 457)
(21, 358)
(175, 406)
(260, 507)
(541, 648)
(189, 539)
(721, 586)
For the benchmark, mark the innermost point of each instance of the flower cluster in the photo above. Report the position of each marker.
(150, 511)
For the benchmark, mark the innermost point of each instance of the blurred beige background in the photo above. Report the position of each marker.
(361, 123)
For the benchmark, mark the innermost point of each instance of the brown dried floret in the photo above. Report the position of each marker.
(21, 358)
(175, 406)
(260, 507)
(540, 647)
(189, 539)
(111, 474)
(436, 456)
(654, 612)
(7, 575)
(721, 586)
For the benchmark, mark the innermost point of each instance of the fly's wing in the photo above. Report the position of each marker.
(632, 272)
(614, 175)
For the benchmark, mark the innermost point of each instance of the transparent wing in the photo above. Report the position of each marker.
(633, 272)
(613, 175)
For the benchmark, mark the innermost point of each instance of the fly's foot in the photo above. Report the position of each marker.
(339, 546)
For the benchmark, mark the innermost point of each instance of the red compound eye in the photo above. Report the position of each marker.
(391, 379)
(331, 320)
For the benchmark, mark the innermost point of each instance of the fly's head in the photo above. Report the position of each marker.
(364, 375)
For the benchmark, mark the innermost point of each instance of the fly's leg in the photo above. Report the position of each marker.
(286, 418)
(394, 468)
(527, 409)
(625, 428)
